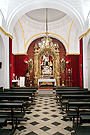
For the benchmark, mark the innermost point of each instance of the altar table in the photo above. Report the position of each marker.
(14, 83)
(47, 80)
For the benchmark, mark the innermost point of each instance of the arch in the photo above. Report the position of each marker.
(55, 4)
(88, 63)
(43, 35)
(2, 19)
(43, 52)
(2, 60)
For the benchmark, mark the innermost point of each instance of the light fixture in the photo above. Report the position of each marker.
(46, 42)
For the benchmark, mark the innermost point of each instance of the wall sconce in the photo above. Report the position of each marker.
(67, 62)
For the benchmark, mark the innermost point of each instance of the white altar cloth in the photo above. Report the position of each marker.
(14, 80)
(47, 80)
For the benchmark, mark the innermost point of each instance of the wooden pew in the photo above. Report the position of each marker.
(60, 93)
(24, 88)
(15, 98)
(64, 88)
(59, 90)
(73, 97)
(21, 90)
(85, 117)
(17, 93)
(3, 121)
(12, 114)
(27, 90)
(78, 104)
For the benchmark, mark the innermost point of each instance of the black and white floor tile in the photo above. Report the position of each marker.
(45, 118)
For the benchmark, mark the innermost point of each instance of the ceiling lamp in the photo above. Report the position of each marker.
(46, 42)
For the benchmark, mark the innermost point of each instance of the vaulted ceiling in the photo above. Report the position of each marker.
(40, 15)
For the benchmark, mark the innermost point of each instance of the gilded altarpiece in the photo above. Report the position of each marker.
(47, 48)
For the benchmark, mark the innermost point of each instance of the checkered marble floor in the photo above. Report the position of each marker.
(45, 118)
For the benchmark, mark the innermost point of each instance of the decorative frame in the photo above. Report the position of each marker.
(30, 65)
(62, 65)
(48, 49)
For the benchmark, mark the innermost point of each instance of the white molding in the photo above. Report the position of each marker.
(43, 35)
(36, 4)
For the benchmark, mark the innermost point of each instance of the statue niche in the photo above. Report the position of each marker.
(46, 61)
(46, 67)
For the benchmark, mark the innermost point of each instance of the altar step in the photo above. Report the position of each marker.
(46, 92)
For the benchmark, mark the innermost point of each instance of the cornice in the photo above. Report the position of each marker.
(72, 54)
(20, 54)
(6, 34)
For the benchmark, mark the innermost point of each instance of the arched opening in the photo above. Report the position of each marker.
(88, 63)
(29, 6)
(2, 62)
(51, 58)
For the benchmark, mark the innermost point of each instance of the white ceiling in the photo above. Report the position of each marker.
(40, 15)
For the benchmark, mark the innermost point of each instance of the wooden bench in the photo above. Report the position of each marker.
(12, 97)
(24, 88)
(71, 92)
(60, 93)
(3, 121)
(13, 114)
(85, 117)
(60, 90)
(18, 93)
(79, 104)
(75, 97)
(64, 88)
(33, 91)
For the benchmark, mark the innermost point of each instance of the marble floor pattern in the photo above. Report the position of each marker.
(45, 118)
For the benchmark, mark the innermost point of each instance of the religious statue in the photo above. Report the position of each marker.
(46, 60)
(47, 65)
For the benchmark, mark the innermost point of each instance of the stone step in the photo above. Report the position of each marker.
(45, 91)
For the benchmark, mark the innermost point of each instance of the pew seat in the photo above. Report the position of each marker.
(3, 121)
(85, 117)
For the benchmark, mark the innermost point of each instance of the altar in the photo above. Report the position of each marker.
(47, 80)
(46, 63)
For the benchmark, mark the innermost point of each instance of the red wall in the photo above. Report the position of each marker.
(10, 61)
(20, 67)
(74, 64)
(81, 62)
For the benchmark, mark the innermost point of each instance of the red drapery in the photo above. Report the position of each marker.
(81, 62)
(20, 67)
(73, 65)
(10, 60)
(12, 65)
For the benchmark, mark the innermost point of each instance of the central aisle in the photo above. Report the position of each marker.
(45, 118)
